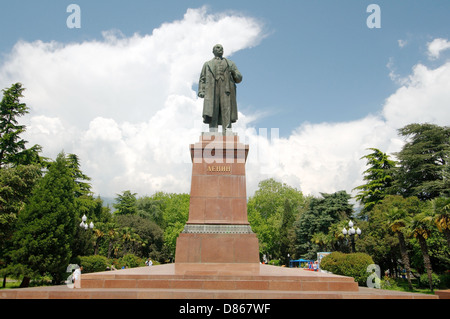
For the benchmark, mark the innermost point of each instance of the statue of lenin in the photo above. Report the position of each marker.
(217, 86)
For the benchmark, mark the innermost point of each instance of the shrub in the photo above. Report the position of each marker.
(274, 262)
(445, 280)
(93, 263)
(130, 261)
(351, 265)
(424, 283)
(389, 284)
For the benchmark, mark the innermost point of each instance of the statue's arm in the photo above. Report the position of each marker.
(237, 76)
(202, 83)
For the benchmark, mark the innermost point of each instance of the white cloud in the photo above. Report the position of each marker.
(436, 46)
(423, 98)
(126, 106)
(326, 157)
(402, 43)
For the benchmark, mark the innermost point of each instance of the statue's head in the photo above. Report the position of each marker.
(218, 50)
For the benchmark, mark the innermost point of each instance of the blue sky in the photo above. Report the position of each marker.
(319, 61)
(314, 62)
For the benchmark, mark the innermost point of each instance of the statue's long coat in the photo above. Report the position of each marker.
(207, 84)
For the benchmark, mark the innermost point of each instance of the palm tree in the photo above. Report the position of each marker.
(111, 234)
(397, 219)
(441, 210)
(322, 240)
(420, 227)
(130, 241)
(98, 234)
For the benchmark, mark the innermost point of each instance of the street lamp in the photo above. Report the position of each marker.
(350, 232)
(84, 223)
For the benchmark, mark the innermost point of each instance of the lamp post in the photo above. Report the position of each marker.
(350, 232)
(84, 223)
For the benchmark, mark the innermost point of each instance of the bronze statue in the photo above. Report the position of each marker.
(217, 86)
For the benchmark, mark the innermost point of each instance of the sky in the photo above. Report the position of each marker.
(324, 81)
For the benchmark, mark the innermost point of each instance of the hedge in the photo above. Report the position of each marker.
(351, 265)
(94, 263)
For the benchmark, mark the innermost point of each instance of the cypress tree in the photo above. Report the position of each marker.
(47, 226)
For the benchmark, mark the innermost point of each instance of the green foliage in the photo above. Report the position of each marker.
(271, 195)
(351, 265)
(441, 211)
(126, 203)
(13, 149)
(130, 261)
(82, 187)
(151, 235)
(94, 263)
(274, 262)
(46, 227)
(151, 208)
(423, 162)
(272, 212)
(424, 282)
(378, 240)
(445, 280)
(379, 177)
(175, 212)
(16, 184)
(321, 214)
(388, 284)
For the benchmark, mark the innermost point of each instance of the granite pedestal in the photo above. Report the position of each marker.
(217, 230)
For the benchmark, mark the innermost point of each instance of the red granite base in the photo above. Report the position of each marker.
(211, 281)
(217, 248)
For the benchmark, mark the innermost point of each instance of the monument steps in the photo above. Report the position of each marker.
(211, 282)
(62, 292)
(224, 283)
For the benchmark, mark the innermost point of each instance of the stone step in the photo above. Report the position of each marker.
(220, 281)
(63, 292)
(295, 284)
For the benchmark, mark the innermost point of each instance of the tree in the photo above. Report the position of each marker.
(423, 162)
(106, 234)
(420, 227)
(13, 149)
(20, 167)
(399, 212)
(379, 177)
(151, 208)
(175, 213)
(86, 242)
(272, 212)
(321, 214)
(378, 240)
(16, 184)
(287, 233)
(271, 195)
(151, 235)
(46, 227)
(126, 203)
(83, 188)
(441, 209)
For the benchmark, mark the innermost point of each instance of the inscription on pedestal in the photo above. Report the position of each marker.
(219, 169)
